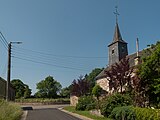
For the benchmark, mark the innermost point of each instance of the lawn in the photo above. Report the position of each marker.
(84, 113)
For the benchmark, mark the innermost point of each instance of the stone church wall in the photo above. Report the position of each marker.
(103, 83)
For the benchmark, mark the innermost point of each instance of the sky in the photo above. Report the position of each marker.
(69, 38)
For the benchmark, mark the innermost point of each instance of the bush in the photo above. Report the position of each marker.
(123, 113)
(115, 100)
(147, 114)
(85, 103)
(134, 113)
(9, 111)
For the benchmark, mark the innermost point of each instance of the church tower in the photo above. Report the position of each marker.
(118, 48)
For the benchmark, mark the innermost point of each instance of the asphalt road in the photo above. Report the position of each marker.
(49, 114)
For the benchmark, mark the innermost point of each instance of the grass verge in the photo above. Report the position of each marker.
(84, 113)
(9, 111)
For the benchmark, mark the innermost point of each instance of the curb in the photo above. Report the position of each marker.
(24, 115)
(76, 115)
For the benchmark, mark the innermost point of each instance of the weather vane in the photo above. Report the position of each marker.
(116, 13)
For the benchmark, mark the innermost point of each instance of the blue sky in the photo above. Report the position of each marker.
(74, 34)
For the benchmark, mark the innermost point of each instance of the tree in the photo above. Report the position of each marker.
(65, 92)
(119, 75)
(48, 88)
(27, 92)
(149, 74)
(80, 87)
(91, 77)
(21, 89)
(97, 91)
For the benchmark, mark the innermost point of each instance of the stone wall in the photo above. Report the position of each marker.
(73, 100)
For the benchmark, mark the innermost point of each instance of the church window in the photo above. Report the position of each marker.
(113, 51)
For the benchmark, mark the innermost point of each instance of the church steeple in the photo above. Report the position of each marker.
(118, 47)
(117, 34)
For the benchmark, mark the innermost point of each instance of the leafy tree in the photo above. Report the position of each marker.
(97, 91)
(149, 74)
(22, 90)
(80, 87)
(138, 92)
(91, 77)
(27, 92)
(65, 92)
(119, 75)
(48, 88)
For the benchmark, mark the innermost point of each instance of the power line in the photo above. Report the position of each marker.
(4, 44)
(38, 62)
(4, 38)
(66, 56)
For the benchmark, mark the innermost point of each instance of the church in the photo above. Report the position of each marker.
(117, 50)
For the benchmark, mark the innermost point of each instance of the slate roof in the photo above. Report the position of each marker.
(131, 62)
(117, 36)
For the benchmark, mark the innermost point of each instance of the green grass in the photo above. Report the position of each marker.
(9, 111)
(84, 113)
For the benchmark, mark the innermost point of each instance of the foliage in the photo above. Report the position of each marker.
(65, 92)
(48, 88)
(22, 90)
(134, 113)
(149, 74)
(97, 91)
(119, 75)
(115, 100)
(123, 113)
(85, 103)
(43, 100)
(147, 114)
(91, 77)
(9, 111)
(80, 87)
(84, 113)
(138, 92)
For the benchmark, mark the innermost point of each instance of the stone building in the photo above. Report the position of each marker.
(3, 90)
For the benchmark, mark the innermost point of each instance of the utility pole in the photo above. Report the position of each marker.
(9, 70)
(8, 73)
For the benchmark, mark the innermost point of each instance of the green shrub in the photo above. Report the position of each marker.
(123, 113)
(9, 111)
(147, 114)
(115, 100)
(85, 103)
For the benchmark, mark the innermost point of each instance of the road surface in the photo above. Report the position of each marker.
(49, 114)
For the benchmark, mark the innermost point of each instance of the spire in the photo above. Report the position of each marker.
(117, 34)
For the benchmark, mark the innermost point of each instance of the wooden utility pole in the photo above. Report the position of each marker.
(8, 73)
(8, 93)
